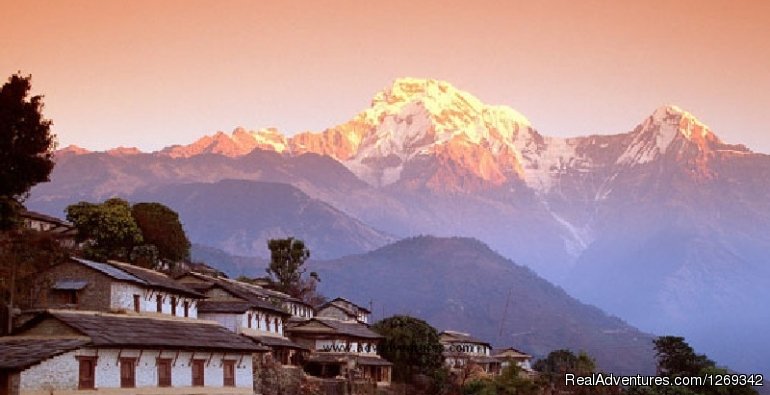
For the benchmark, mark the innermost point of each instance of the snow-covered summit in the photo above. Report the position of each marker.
(668, 126)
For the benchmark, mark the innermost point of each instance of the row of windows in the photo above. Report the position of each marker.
(159, 305)
(87, 372)
(300, 311)
(276, 322)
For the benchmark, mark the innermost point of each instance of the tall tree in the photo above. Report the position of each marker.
(108, 229)
(160, 226)
(677, 358)
(287, 256)
(26, 146)
(411, 344)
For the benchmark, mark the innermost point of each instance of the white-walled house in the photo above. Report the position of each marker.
(341, 347)
(344, 310)
(511, 356)
(68, 352)
(462, 350)
(258, 320)
(80, 284)
(212, 286)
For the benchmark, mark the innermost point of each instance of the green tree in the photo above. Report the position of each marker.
(509, 382)
(26, 146)
(412, 345)
(563, 361)
(560, 362)
(677, 358)
(160, 226)
(287, 256)
(108, 229)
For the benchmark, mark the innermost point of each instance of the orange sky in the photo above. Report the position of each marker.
(154, 73)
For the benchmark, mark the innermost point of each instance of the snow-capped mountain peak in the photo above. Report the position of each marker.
(239, 142)
(686, 123)
(668, 129)
(415, 118)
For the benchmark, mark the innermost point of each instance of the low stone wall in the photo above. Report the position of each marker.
(272, 378)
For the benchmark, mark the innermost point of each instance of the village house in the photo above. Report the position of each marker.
(342, 344)
(343, 309)
(298, 309)
(244, 291)
(76, 352)
(244, 311)
(511, 356)
(463, 351)
(64, 231)
(81, 284)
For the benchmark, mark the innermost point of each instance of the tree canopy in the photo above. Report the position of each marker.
(26, 146)
(509, 382)
(558, 363)
(287, 258)
(109, 229)
(160, 226)
(411, 344)
(677, 358)
(146, 234)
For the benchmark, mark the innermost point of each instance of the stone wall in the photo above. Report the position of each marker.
(271, 378)
(95, 296)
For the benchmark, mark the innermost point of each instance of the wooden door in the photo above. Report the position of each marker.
(127, 372)
(229, 373)
(198, 373)
(87, 373)
(164, 373)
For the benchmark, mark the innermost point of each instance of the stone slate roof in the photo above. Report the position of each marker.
(224, 306)
(459, 337)
(110, 271)
(339, 299)
(61, 226)
(349, 328)
(510, 352)
(275, 341)
(372, 361)
(18, 353)
(70, 285)
(137, 275)
(156, 279)
(112, 330)
(241, 291)
(343, 309)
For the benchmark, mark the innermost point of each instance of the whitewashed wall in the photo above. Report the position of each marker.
(227, 320)
(122, 298)
(61, 373)
(56, 373)
(259, 322)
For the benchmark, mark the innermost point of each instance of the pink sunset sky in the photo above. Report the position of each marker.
(154, 73)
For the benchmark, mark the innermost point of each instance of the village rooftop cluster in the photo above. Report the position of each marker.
(111, 327)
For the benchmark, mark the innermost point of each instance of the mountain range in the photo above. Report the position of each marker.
(461, 284)
(664, 225)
